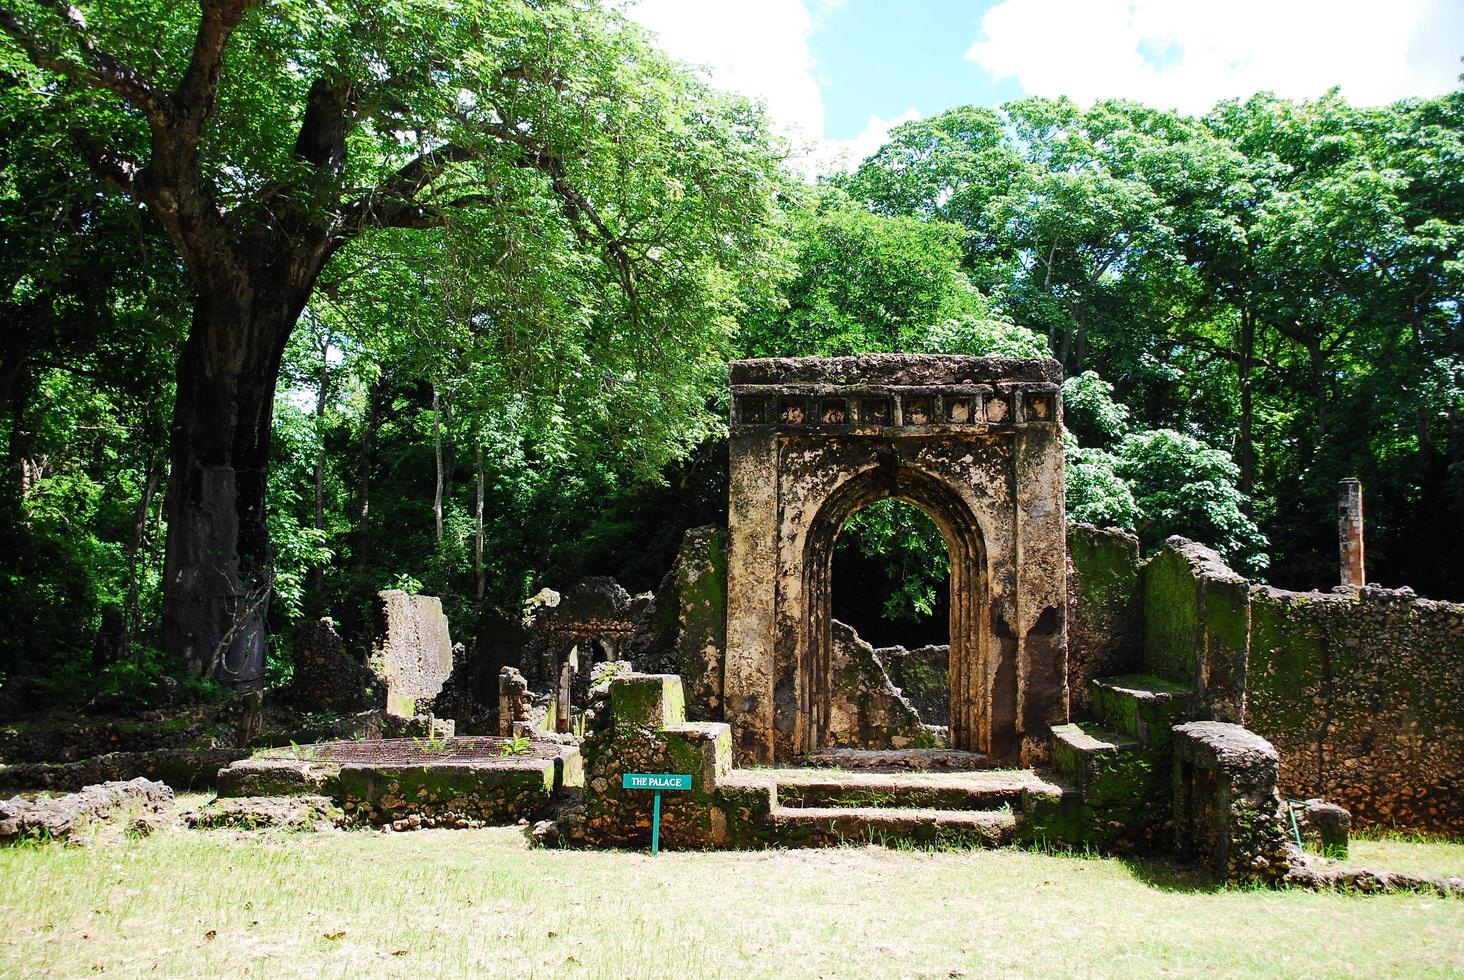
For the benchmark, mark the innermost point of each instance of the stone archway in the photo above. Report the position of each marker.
(981, 699)
(973, 441)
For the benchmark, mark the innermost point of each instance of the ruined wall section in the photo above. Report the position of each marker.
(867, 710)
(1105, 612)
(1197, 627)
(1362, 691)
(1358, 689)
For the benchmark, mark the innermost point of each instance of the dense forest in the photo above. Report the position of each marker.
(307, 300)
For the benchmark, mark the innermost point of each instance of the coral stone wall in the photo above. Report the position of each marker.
(1362, 692)
(1105, 616)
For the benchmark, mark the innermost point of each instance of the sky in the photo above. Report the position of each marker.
(837, 75)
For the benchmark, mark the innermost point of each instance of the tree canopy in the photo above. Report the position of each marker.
(312, 299)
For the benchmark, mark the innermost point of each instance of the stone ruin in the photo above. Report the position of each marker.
(1088, 697)
(976, 443)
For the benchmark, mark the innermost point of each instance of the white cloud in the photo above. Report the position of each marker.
(1189, 54)
(847, 154)
(760, 49)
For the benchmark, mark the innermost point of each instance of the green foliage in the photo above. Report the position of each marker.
(1185, 487)
(515, 745)
(911, 549)
(861, 283)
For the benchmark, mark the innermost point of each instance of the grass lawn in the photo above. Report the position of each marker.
(463, 903)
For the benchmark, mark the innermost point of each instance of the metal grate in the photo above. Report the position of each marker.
(412, 751)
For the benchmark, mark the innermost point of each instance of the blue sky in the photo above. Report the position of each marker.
(836, 75)
(882, 58)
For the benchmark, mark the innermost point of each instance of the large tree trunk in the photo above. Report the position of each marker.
(218, 572)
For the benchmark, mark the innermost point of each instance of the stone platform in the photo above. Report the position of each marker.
(455, 782)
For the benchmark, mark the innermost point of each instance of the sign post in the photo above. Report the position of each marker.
(656, 781)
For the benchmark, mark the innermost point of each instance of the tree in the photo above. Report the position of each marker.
(266, 138)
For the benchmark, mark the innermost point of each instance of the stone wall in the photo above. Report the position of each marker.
(1362, 691)
(1197, 626)
(1359, 690)
(923, 676)
(1105, 614)
(866, 710)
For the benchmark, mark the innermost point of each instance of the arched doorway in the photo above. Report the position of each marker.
(974, 442)
(971, 677)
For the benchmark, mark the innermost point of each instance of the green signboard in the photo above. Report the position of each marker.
(655, 781)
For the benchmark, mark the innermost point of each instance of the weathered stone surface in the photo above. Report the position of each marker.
(683, 629)
(893, 369)
(866, 710)
(1227, 814)
(183, 768)
(412, 650)
(1105, 608)
(311, 813)
(1360, 690)
(1197, 626)
(923, 676)
(411, 783)
(56, 817)
(326, 678)
(974, 441)
(1309, 872)
(1326, 826)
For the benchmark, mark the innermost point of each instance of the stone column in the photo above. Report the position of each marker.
(1349, 532)
(752, 562)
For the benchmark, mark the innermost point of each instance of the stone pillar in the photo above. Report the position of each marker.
(752, 562)
(1349, 532)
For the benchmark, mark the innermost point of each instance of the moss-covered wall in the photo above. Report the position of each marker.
(1362, 692)
(1197, 626)
(1105, 615)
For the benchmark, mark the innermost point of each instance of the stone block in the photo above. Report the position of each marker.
(648, 700)
(412, 650)
(1141, 705)
(1326, 826)
(1226, 811)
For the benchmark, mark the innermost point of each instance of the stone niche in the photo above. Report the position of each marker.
(973, 441)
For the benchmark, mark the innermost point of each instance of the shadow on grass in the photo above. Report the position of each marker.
(1170, 876)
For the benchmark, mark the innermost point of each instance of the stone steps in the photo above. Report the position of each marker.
(977, 790)
(815, 806)
(822, 826)
(902, 760)
(1141, 705)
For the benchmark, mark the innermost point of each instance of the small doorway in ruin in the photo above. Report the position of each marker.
(890, 602)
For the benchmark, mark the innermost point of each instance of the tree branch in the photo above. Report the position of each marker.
(98, 67)
(198, 91)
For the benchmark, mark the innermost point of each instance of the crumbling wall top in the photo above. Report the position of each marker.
(894, 369)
